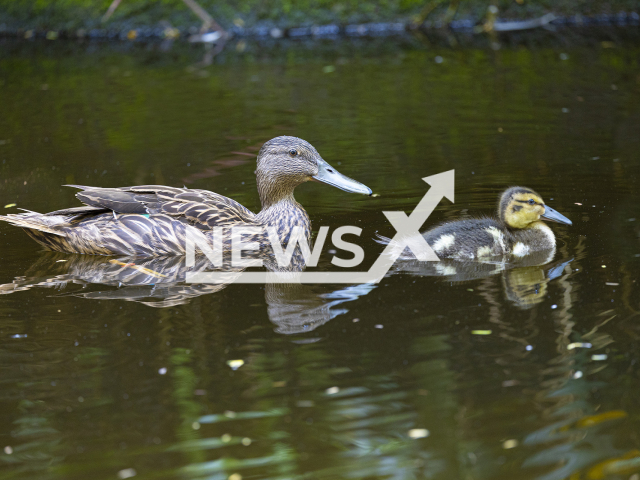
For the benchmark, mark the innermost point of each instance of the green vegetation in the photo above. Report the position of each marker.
(75, 14)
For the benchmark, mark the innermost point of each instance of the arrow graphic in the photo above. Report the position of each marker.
(407, 235)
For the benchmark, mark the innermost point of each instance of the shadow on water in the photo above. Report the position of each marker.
(492, 371)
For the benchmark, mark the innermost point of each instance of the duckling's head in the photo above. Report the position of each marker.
(520, 207)
(286, 162)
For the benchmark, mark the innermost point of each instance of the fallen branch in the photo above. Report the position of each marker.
(524, 24)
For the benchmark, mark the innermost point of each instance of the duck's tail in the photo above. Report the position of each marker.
(398, 250)
(382, 240)
(37, 221)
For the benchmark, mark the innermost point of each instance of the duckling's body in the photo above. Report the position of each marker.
(517, 231)
(487, 237)
(153, 220)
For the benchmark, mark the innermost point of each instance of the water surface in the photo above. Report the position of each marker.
(528, 373)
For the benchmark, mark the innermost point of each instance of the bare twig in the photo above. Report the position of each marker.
(208, 23)
(426, 11)
(110, 10)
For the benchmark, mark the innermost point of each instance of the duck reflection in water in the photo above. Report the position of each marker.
(159, 282)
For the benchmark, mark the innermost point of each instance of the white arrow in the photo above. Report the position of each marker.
(407, 227)
(408, 235)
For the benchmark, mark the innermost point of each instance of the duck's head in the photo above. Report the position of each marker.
(286, 162)
(520, 207)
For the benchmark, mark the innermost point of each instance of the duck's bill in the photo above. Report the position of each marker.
(553, 216)
(329, 175)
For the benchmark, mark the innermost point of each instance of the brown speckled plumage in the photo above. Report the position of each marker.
(152, 220)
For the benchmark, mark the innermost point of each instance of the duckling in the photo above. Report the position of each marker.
(518, 231)
(152, 220)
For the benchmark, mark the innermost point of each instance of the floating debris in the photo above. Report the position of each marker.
(215, 418)
(612, 284)
(235, 476)
(127, 473)
(211, 37)
(9, 205)
(553, 307)
(162, 371)
(418, 433)
(573, 345)
(599, 357)
(577, 375)
(512, 443)
(246, 441)
(528, 348)
(8, 450)
(19, 335)
(235, 364)
(332, 390)
(379, 326)
(195, 426)
(576, 203)
(481, 332)
(226, 438)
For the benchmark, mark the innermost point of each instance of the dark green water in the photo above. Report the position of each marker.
(337, 380)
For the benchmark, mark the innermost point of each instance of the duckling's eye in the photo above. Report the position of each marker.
(532, 201)
(293, 152)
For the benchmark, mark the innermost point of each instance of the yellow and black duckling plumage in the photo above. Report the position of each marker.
(152, 220)
(518, 230)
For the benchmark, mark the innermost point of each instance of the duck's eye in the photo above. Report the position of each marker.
(293, 152)
(532, 201)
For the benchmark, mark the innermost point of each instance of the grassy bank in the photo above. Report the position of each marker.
(87, 14)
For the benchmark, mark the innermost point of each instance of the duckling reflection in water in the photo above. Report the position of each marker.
(517, 231)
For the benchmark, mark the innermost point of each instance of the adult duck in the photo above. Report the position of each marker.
(152, 220)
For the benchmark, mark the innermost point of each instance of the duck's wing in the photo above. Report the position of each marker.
(201, 208)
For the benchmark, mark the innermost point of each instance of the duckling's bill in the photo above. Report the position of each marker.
(554, 216)
(329, 175)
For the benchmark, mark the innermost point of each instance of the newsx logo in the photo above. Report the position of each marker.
(407, 235)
